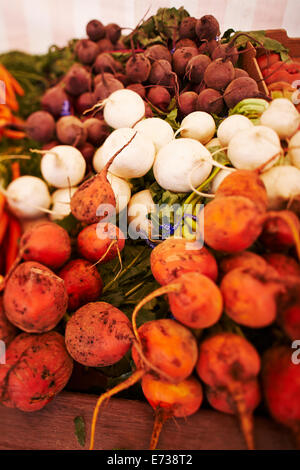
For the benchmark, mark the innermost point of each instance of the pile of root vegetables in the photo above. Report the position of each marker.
(230, 321)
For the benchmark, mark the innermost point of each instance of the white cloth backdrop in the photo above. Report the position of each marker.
(34, 25)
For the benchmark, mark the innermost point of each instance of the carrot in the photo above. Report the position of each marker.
(3, 225)
(16, 85)
(15, 168)
(12, 134)
(13, 242)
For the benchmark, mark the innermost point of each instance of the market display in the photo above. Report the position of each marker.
(149, 221)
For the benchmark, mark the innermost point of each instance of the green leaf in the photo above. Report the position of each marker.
(80, 431)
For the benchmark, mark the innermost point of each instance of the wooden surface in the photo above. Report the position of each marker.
(126, 424)
(293, 44)
(251, 66)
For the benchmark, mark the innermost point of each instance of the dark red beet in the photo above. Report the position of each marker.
(187, 102)
(78, 80)
(105, 63)
(40, 126)
(223, 51)
(185, 42)
(84, 102)
(187, 28)
(239, 89)
(95, 30)
(160, 73)
(158, 52)
(138, 68)
(70, 131)
(97, 131)
(86, 51)
(148, 110)
(207, 47)
(138, 88)
(159, 97)
(53, 100)
(210, 101)
(102, 76)
(219, 74)
(113, 32)
(50, 145)
(123, 79)
(196, 67)
(181, 57)
(105, 45)
(207, 27)
(200, 87)
(105, 87)
(240, 73)
(88, 151)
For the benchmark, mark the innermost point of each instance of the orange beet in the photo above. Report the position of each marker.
(231, 223)
(98, 335)
(169, 346)
(35, 299)
(199, 302)
(82, 282)
(281, 386)
(228, 361)
(7, 330)
(37, 368)
(96, 242)
(245, 183)
(180, 400)
(172, 258)
(250, 296)
(222, 400)
(245, 259)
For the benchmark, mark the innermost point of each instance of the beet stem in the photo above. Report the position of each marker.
(134, 378)
(161, 416)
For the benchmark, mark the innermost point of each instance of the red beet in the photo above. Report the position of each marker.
(181, 58)
(97, 131)
(105, 45)
(207, 47)
(187, 28)
(53, 100)
(105, 63)
(138, 88)
(70, 131)
(86, 51)
(113, 32)
(95, 30)
(160, 73)
(88, 151)
(158, 52)
(77, 80)
(196, 67)
(219, 74)
(40, 126)
(207, 27)
(224, 51)
(187, 102)
(240, 89)
(85, 101)
(185, 42)
(138, 68)
(159, 97)
(210, 101)
(105, 87)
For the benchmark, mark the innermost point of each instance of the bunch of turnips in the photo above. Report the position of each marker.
(134, 124)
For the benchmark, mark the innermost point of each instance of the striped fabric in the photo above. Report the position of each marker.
(34, 25)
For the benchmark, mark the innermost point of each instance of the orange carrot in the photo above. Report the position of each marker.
(3, 225)
(13, 242)
(14, 134)
(16, 86)
(15, 169)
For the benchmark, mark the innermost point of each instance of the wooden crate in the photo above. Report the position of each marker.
(249, 57)
(127, 424)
